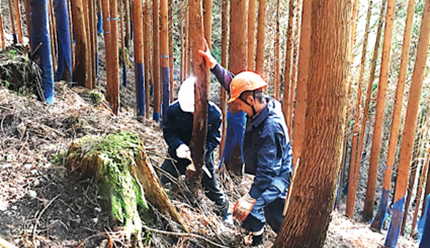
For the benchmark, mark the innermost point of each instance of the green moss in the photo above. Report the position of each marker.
(117, 153)
(96, 96)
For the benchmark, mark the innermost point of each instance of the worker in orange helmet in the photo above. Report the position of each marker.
(266, 149)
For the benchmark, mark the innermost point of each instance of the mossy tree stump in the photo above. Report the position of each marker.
(125, 175)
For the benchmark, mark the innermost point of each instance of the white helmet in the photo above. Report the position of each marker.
(186, 95)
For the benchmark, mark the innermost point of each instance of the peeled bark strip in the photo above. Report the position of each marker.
(127, 178)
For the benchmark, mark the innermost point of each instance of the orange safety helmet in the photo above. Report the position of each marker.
(245, 81)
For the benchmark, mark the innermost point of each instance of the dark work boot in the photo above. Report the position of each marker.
(258, 238)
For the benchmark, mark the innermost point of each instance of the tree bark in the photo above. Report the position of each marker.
(324, 71)
(261, 34)
(277, 57)
(164, 49)
(287, 71)
(27, 18)
(379, 115)
(251, 35)
(419, 193)
(354, 164)
(147, 50)
(137, 17)
(201, 72)
(112, 86)
(409, 131)
(2, 39)
(17, 15)
(170, 30)
(89, 64)
(224, 55)
(379, 219)
(232, 155)
(79, 71)
(207, 21)
(156, 58)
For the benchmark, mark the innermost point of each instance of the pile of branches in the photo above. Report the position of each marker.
(19, 72)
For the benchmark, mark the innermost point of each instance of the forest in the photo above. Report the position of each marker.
(87, 88)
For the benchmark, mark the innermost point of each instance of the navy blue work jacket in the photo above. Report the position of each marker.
(266, 146)
(178, 128)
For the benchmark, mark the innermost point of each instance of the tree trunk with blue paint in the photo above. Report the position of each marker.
(64, 68)
(40, 39)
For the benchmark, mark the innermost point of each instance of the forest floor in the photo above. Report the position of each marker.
(42, 205)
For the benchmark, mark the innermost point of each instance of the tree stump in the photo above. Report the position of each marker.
(125, 175)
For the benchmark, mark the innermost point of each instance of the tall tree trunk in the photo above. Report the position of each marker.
(164, 49)
(72, 48)
(415, 167)
(201, 72)
(261, 34)
(187, 45)
(40, 35)
(123, 50)
(409, 131)
(147, 54)
(17, 15)
(354, 165)
(287, 71)
(64, 68)
(112, 85)
(224, 54)
(137, 18)
(352, 36)
(89, 64)
(251, 35)
(93, 43)
(182, 35)
(324, 71)
(301, 91)
(53, 33)
(420, 192)
(207, 21)
(80, 70)
(127, 23)
(379, 219)
(232, 154)
(294, 63)
(12, 21)
(156, 58)
(379, 115)
(2, 39)
(27, 18)
(170, 30)
(107, 38)
(277, 57)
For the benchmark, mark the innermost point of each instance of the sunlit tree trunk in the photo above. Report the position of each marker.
(324, 71)
(127, 23)
(53, 34)
(207, 20)
(2, 39)
(224, 54)
(164, 49)
(156, 58)
(170, 30)
(251, 34)
(287, 71)
(277, 58)
(112, 86)
(89, 64)
(138, 46)
(232, 154)
(201, 72)
(261, 34)
(301, 91)
(294, 63)
(80, 70)
(147, 51)
(354, 164)
(93, 41)
(419, 193)
(349, 82)
(415, 167)
(409, 131)
(64, 68)
(379, 219)
(379, 115)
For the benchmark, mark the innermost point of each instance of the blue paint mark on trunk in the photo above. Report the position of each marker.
(140, 89)
(64, 69)
(165, 79)
(40, 35)
(396, 222)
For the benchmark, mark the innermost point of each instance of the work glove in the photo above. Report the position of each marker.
(243, 207)
(207, 56)
(183, 151)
